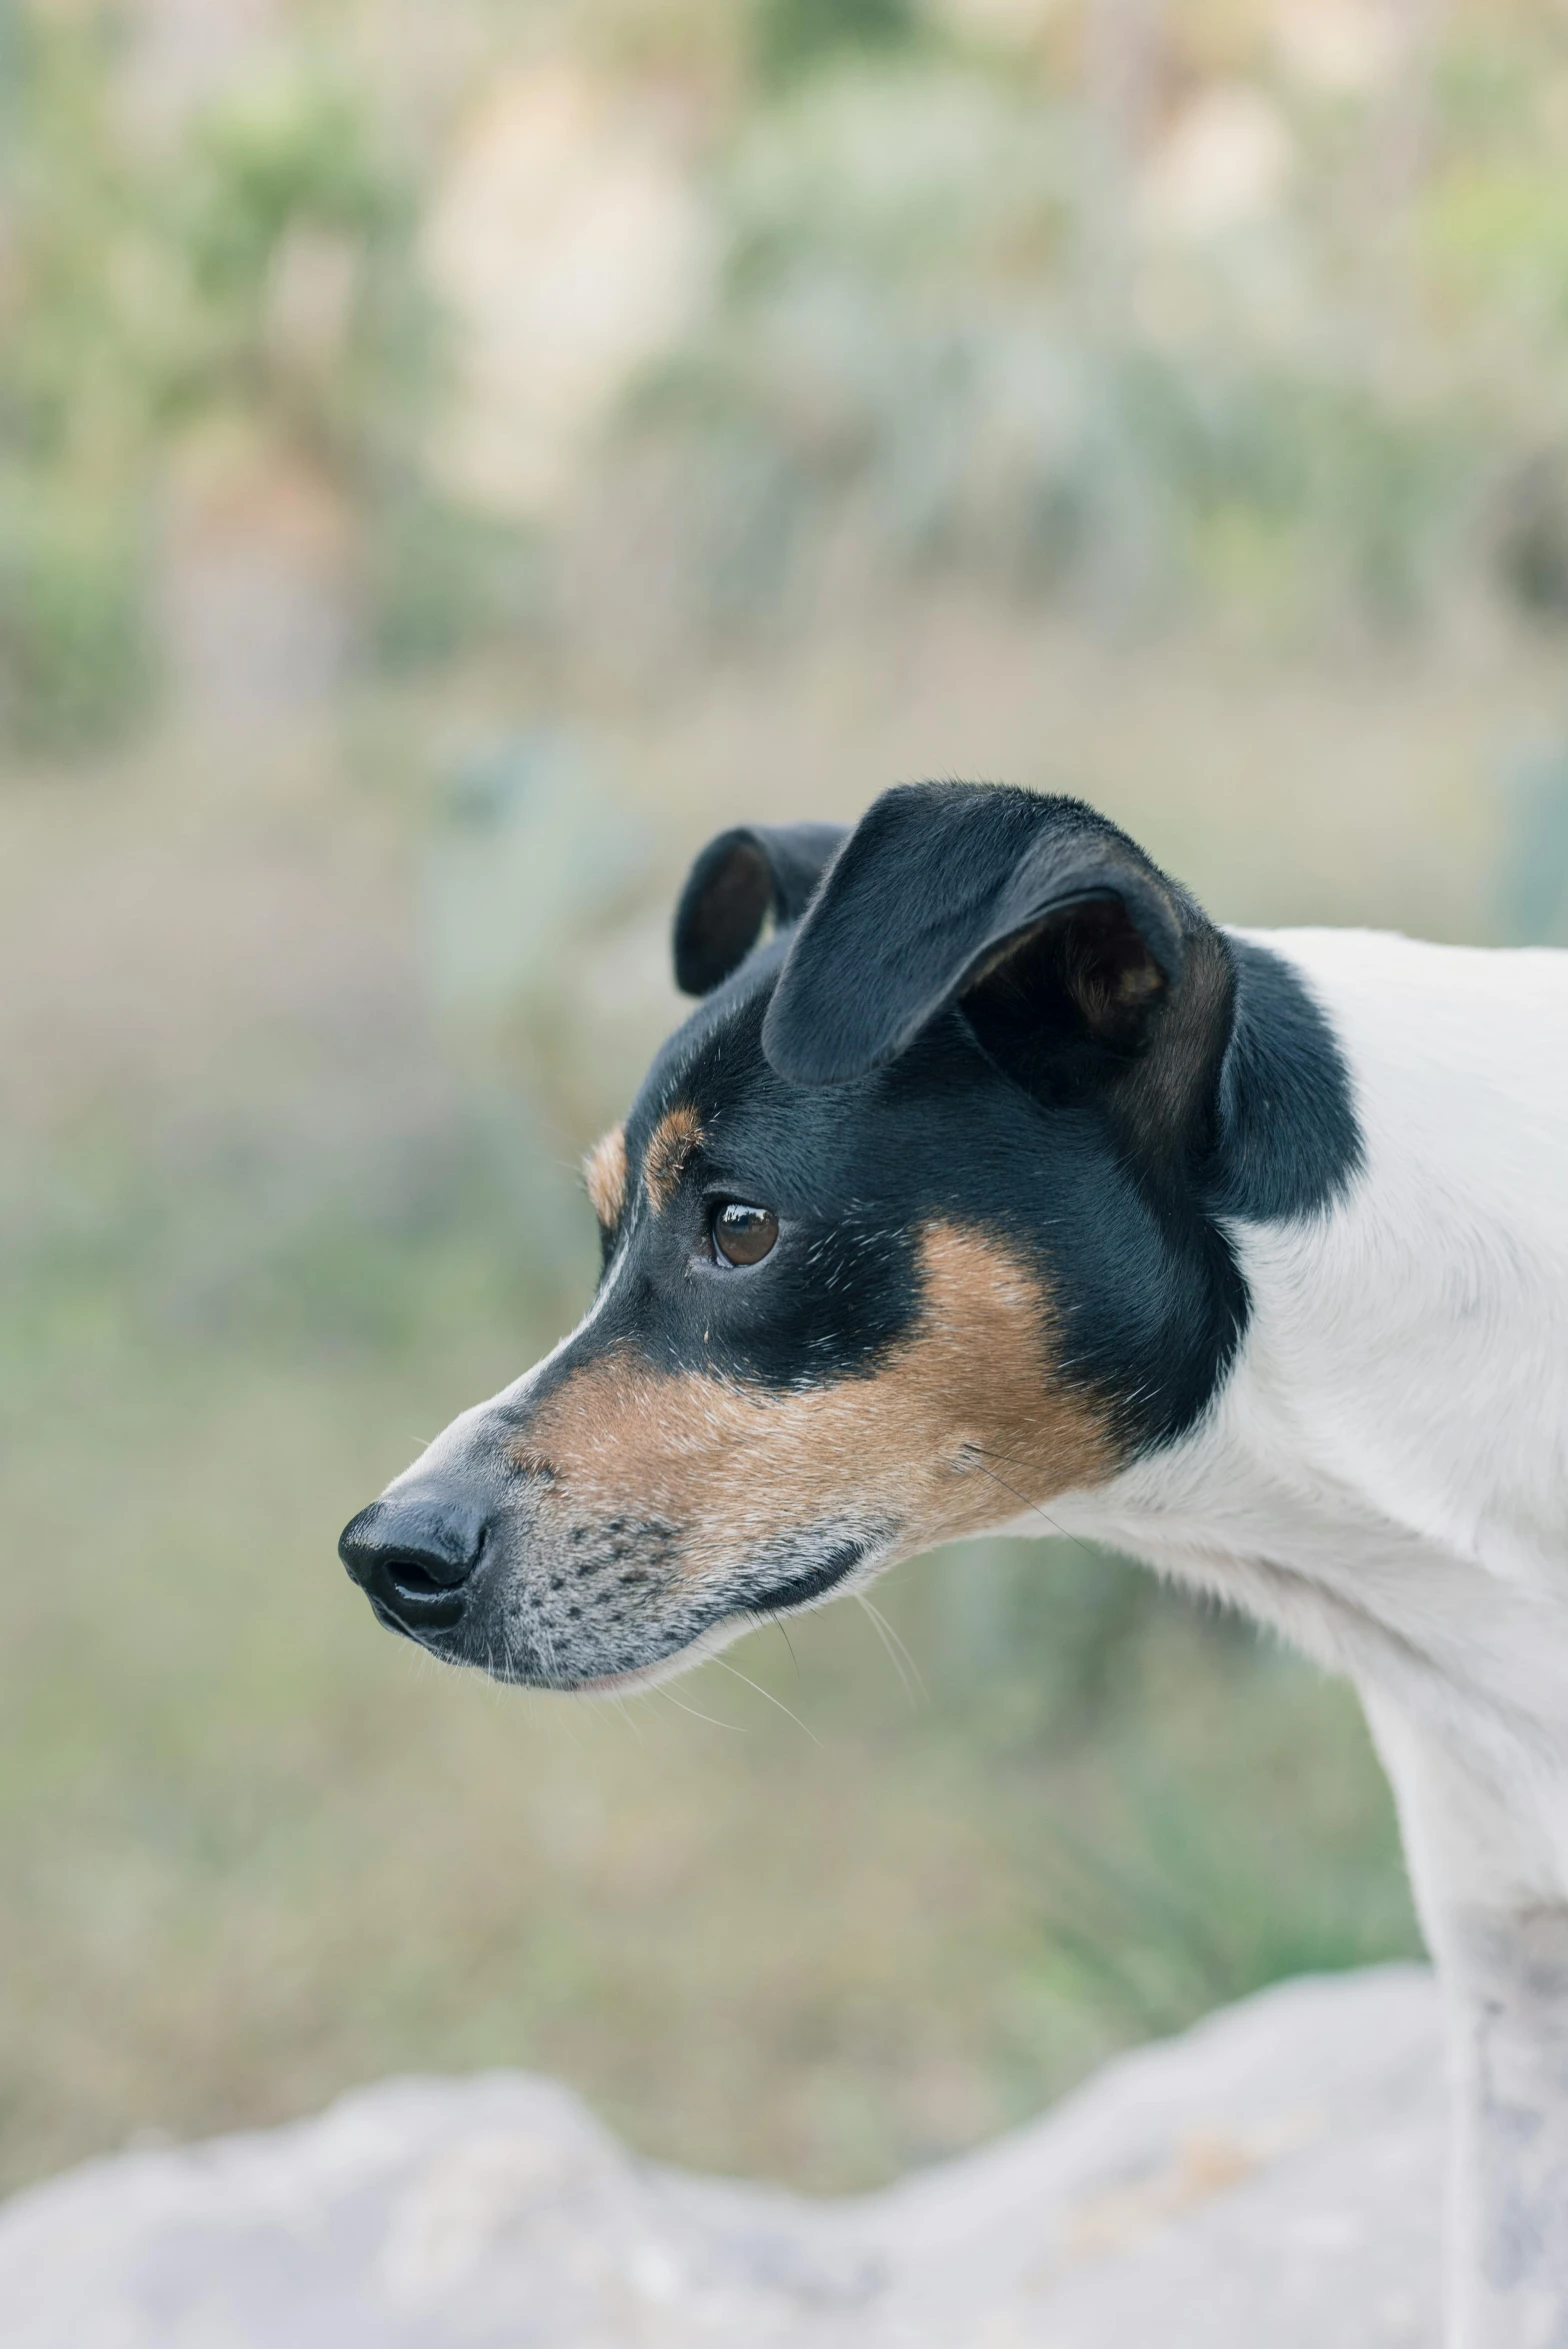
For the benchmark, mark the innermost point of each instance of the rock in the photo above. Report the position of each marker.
(1273, 2176)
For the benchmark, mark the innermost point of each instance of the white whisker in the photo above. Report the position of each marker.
(898, 1654)
(662, 1688)
(768, 1693)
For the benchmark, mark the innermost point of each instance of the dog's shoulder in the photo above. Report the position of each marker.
(1456, 1054)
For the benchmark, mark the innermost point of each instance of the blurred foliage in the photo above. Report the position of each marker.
(249, 286)
(76, 651)
(905, 342)
(908, 1877)
(1298, 357)
(437, 577)
(77, 394)
(980, 315)
(1534, 876)
(795, 35)
(1148, 314)
(310, 333)
(268, 1216)
(293, 228)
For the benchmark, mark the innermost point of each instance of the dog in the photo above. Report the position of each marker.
(989, 1175)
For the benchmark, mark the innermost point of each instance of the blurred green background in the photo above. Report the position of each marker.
(451, 460)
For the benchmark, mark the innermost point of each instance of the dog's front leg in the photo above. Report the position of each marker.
(1506, 1978)
(1487, 1882)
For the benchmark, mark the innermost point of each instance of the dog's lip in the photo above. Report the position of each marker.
(798, 1590)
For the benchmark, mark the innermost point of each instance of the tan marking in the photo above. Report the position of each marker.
(604, 1171)
(669, 1152)
(965, 1426)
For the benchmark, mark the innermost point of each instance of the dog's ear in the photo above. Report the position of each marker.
(1058, 937)
(739, 879)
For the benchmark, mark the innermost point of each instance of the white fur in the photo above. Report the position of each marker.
(1385, 1477)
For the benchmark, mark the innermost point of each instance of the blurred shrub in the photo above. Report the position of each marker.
(296, 225)
(795, 34)
(1239, 319)
(1278, 354)
(1534, 875)
(1532, 534)
(1034, 1635)
(1186, 1904)
(311, 330)
(1069, 1679)
(77, 283)
(436, 576)
(254, 285)
(76, 658)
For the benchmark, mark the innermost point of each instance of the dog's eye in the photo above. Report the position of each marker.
(743, 1235)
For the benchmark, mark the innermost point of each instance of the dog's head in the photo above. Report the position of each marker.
(903, 1237)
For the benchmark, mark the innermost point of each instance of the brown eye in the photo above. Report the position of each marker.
(744, 1235)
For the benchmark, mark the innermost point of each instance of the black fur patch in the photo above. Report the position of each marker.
(738, 881)
(839, 1287)
(938, 884)
(1289, 1141)
(1106, 1127)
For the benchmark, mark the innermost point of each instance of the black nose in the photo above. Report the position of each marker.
(412, 1557)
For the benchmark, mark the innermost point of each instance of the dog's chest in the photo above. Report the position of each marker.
(1384, 1473)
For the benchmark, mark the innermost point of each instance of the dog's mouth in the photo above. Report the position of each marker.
(481, 1635)
(800, 1589)
(812, 1582)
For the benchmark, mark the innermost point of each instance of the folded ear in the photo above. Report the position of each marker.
(1057, 934)
(739, 879)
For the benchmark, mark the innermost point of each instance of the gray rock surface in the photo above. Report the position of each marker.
(1274, 2176)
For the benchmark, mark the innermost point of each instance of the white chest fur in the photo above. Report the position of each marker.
(1384, 1477)
(1385, 1473)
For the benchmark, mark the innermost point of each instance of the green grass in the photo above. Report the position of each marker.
(271, 1210)
(252, 1850)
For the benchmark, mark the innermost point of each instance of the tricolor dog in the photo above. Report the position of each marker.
(988, 1175)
